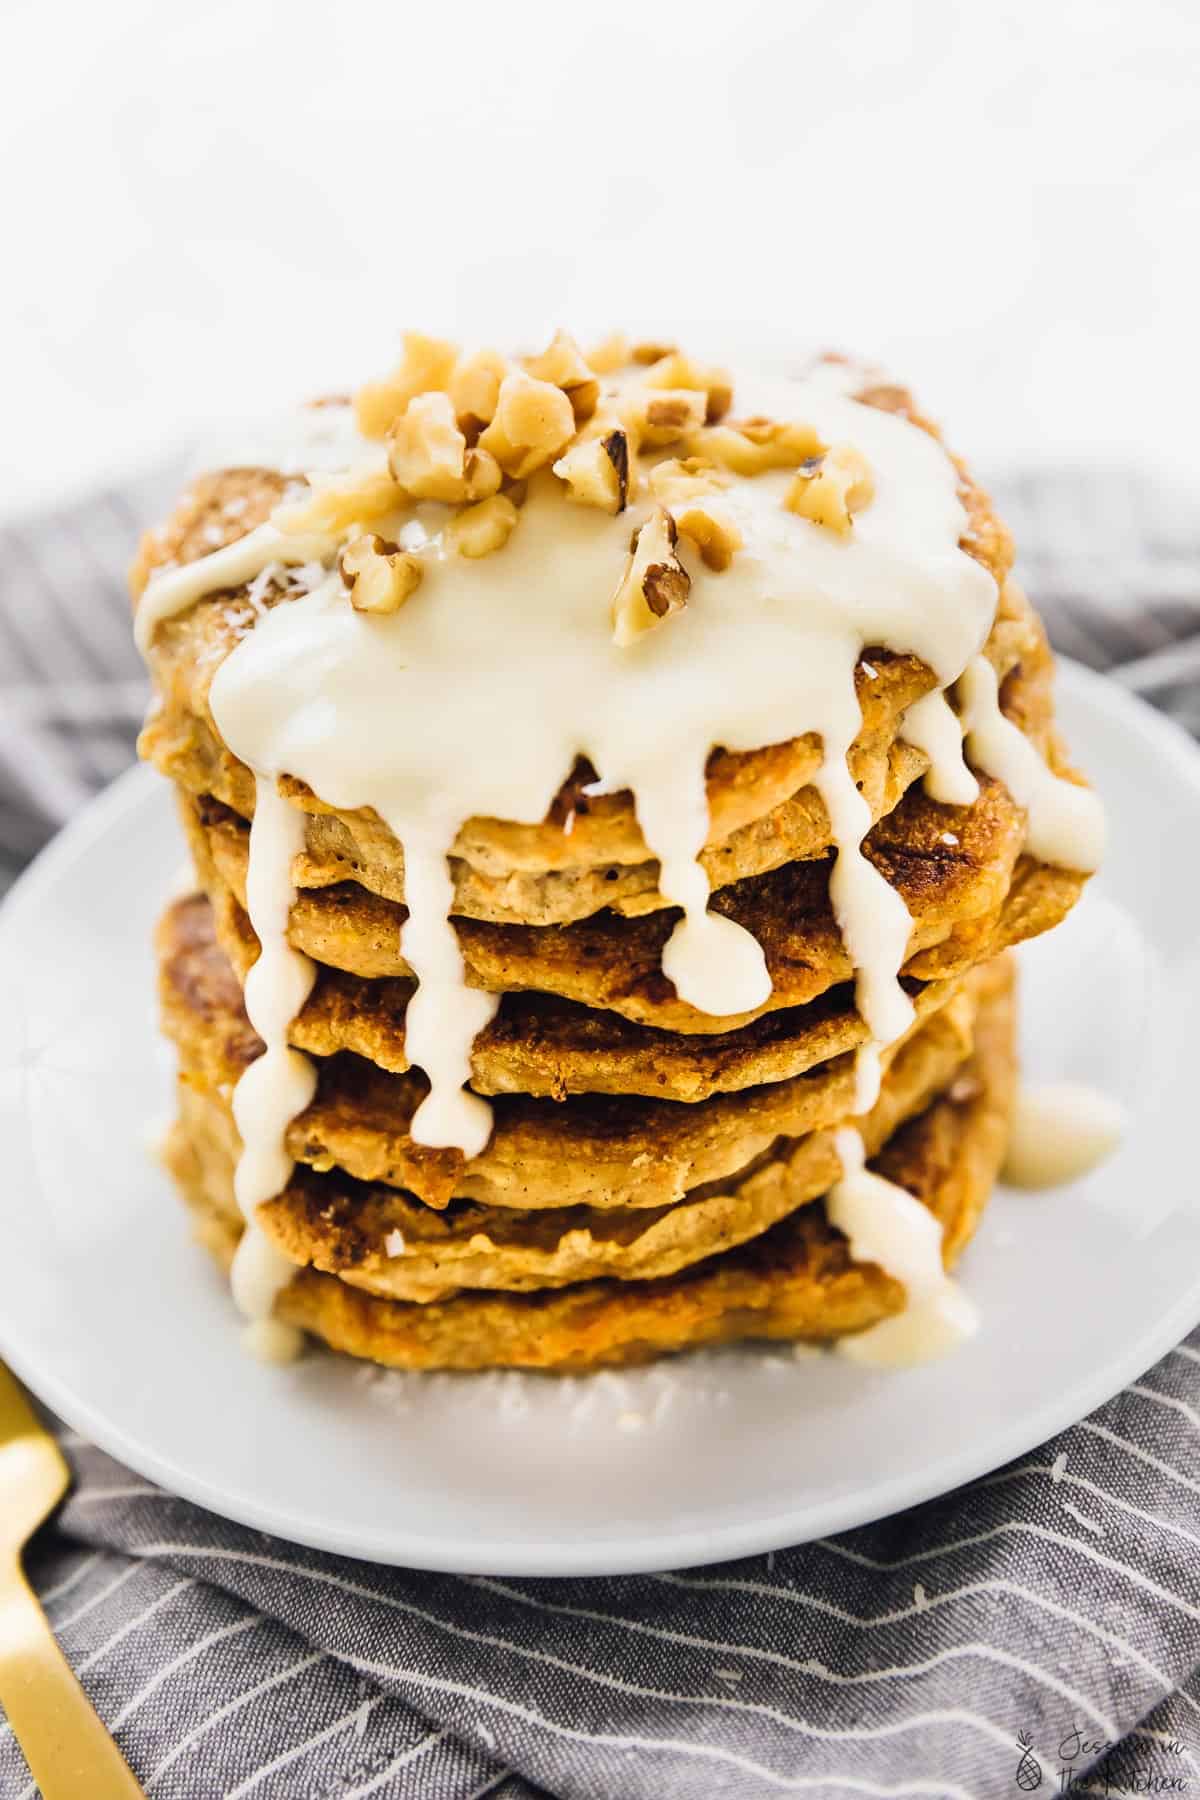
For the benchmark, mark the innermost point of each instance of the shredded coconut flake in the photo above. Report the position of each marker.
(394, 1243)
(264, 581)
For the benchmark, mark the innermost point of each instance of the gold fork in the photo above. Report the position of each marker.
(69, 1752)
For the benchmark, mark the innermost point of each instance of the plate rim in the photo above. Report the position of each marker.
(780, 1528)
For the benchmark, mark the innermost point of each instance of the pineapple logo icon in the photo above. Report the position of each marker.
(1029, 1769)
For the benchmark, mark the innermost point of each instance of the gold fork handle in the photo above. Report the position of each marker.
(67, 1748)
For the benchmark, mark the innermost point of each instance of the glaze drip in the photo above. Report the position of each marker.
(281, 1082)
(886, 1225)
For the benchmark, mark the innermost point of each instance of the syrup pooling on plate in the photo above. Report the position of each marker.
(477, 697)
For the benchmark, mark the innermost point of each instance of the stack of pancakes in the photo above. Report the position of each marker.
(655, 1174)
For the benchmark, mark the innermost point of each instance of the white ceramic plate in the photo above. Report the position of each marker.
(120, 1323)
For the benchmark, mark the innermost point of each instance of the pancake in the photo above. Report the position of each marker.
(590, 1150)
(952, 866)
(342, 1226)
(795, 1280)
(545, 1046)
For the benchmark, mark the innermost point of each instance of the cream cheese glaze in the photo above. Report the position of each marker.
(1059, 1132)
(885, 1224)
(281, 1082)
(476, 698)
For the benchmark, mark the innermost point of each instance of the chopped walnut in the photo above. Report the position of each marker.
(663, 415)
(335, 503)
(651, 352)
(611, 354)
(686, 479)
(678, 371)
(379, 576)
(596, 471)
(429, 458)
(532, 424)
(654, 584)
(426, 450)
(563, 364)
(480, 529)
(427, 364)
(831, 487)
(714, 535)
(752, 446)
(482, 474)
(474, 389)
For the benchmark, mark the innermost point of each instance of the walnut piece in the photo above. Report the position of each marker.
(654, 584)
(426, 450)
(427, 364)
(686, 479)
(752, 446)
(596, 471)
(336, 503)
(678, 371)
(429, 458)
(379, 576)
(562, 363)
(661, 416)
(831, 487)
(651, 351)
(474, 390)
(532, 424)
(480, 529)
(714, 535)
(610, 354)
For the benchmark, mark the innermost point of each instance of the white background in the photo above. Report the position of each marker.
(216, 205)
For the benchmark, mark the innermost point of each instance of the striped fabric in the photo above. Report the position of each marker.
(1038, 1629)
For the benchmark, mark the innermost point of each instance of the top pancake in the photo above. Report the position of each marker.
(588, 853)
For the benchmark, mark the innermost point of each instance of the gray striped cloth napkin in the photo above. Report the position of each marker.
(1037, 1630)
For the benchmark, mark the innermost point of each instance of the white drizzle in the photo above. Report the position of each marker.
(714, 962)
(444, 1016)
(1060, 1132)
(475, 699)
(887, 1225)
(874, 921)
(932, 725)
(1064, 823)
(281, 1082)
(228, 567)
